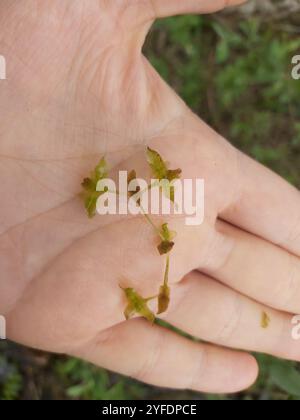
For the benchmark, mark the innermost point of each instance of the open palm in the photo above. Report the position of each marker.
(78, 86)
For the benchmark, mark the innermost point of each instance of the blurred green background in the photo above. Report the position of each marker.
(234, 70)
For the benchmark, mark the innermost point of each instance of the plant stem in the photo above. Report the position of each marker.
(147, 217)
(166, 278)
(149, 220)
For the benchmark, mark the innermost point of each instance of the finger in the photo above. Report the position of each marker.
(163, 8)
(246, 193)
(160, 357)
(258, 269)
(208, 310)
(266, 205)
(91, 270)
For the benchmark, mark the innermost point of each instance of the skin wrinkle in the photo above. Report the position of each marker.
(199, 370)
(35, 217)
(105, 319)
(72, 63)
(16, 56)
(276, 341)
(277, 294)
(227, 256)
(104, 338)
(139, 238)
(97, 227)
(124, 9)
(159, 132)
(48, 211)
(92, 69)
(146, 73)
(134, 257)
(212, 249)
(100, 340)
(33, 160)
(228, 326)
(231, 325)
(131, 79)
(294, 234)
(153, 97)
(118, 150)
(84, 40)
(184, 294)
(118, 43)
(38, 104)
(293, 284)
(19, 257)
(39, 182)
(144, 371)
(58, 255)
(237, 191)
(153, 7)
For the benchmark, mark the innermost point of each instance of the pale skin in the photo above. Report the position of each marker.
(78, 86)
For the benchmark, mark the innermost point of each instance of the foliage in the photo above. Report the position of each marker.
(10, 380)
(90, 194)
(137, 304)
(84, 381)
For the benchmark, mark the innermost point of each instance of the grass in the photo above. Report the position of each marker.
(237, 76)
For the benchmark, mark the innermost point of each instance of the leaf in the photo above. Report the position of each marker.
(158, 166)
(286, 377)
(164, 291)
(265, 320)
(90, 204)
(166, 234)
(90, 194)
(161, 171)
(163, 298)
(77, 391)
(165, 247)
(167, 237)
(88, 184)
(101, 170)
(170, 193)
(174, 174)
(137, 305)
(132, 176)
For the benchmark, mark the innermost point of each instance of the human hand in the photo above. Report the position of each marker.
(78, 87)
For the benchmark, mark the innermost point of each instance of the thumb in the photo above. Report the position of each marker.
(164, 8)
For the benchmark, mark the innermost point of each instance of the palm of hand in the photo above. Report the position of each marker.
(80, 91)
